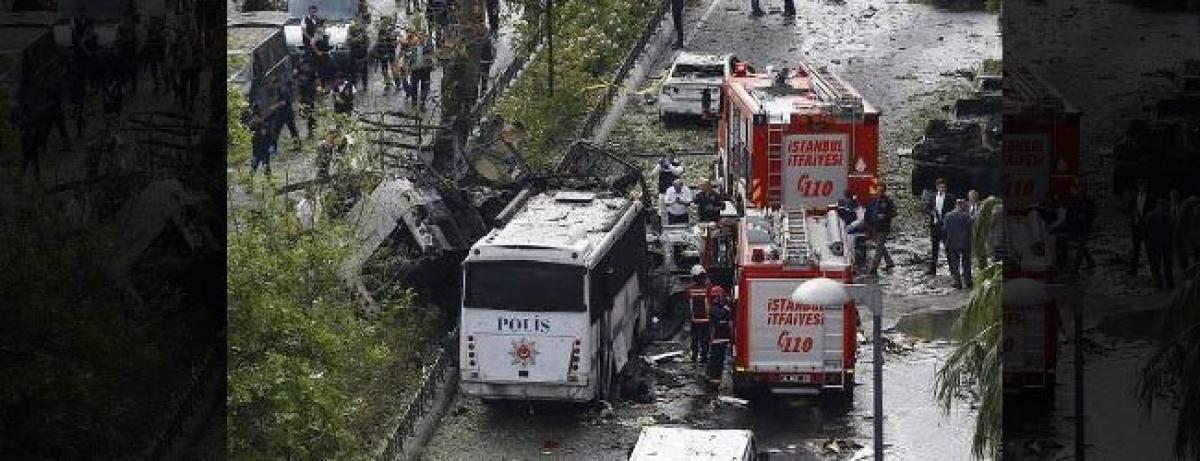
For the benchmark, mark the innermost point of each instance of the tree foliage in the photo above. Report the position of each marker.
(974, 368)
(90, 373)
(310, 375)
(590, 41)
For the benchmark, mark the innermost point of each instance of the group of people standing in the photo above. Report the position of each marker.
(171, 54)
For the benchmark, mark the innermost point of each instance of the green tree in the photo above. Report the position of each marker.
(974, 368)
(590, 41)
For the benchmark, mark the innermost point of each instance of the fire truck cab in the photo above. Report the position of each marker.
(790, 143)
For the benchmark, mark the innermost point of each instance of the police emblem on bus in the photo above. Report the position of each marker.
(523, 353)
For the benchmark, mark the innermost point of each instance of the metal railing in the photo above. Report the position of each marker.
(200, 386)
(405, 424)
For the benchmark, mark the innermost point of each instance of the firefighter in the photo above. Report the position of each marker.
(721, 326)
(698, 313)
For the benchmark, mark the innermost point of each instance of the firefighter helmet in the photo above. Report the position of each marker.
(697, 270)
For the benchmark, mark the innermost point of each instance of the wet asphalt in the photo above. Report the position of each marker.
(899, 55)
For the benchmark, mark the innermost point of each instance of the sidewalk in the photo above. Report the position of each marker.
(296, 168)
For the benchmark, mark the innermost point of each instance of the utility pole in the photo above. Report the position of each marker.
(1079, 446)
(877, 334)
(550, 43)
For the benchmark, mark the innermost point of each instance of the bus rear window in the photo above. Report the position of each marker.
(524, 286)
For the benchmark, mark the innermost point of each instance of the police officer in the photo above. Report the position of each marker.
(306, 82)
(343, 94)
(385, 51)
(677, 21)
(721, 324)
(311, 24)
(359, 53)
(698, 312)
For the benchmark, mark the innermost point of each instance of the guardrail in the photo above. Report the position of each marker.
(200, 386)
(404, 425)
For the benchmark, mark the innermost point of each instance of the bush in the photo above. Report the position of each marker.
(311, 376)
(590, 40)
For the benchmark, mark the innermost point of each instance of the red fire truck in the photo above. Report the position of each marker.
(1041, 159)
(789, 144)
(1041, 141)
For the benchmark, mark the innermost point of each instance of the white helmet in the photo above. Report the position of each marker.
(697, 270)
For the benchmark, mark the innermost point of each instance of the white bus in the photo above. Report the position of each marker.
(552, 300)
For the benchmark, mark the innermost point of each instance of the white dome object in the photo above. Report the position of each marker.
(821, 292)
(1024, 292)
(697, 270)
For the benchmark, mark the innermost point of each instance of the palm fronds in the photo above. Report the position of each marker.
(1175, 366)
(973, 370)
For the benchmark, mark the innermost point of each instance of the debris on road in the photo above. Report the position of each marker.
(838, 446)
(733, 400)
(659, 358)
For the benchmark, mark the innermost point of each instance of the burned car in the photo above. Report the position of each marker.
(690, 77)
(965, 147)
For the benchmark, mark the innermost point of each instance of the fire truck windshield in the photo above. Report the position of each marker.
(525, 286)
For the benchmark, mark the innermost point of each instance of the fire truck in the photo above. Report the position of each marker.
(789, 143)
(1041, 159)
(1041, 140)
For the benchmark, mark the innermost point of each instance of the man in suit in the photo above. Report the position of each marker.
(958, 243)
(1157, 232)
(1139, 205)
(936, 207)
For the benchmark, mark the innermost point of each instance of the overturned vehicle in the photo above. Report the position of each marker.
(966, 147)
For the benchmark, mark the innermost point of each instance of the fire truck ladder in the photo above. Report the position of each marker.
(775, 164)
(797, 248)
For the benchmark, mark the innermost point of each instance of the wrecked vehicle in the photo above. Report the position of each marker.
(693, 84)
(676, 443)
(257, 57)
(553, 301)
(966, 147)
(790, 143)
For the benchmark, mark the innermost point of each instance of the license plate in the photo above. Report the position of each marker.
(800, 378)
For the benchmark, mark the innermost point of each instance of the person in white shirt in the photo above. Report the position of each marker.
(678, 200)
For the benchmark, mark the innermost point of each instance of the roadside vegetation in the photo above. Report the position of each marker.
(591, 39)
(312, 374)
